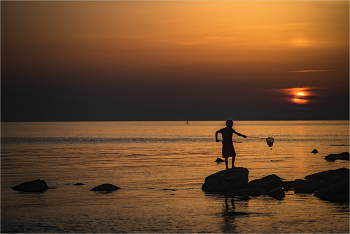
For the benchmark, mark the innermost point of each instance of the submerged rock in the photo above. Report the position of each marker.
(78, 184)
(266, 183)
(341, 156)
(32, 186)
(105, 188)
(226, 180)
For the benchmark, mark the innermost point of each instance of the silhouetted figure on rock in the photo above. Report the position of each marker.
(227, 147)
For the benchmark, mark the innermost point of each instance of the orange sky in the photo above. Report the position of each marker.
(178, 52)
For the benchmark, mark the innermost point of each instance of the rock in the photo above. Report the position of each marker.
(320, 176)
(219, 160)
(308, 186)
(32, 186)
(334, 190)
(226, 180)
(167, 189)
(344, 172)
(79, 184)
(314, 151)
(341, 156)
(340, 198)
(277, 193)
(336, 177)
(250, 192)
(325, 176)
(244, 198)
(105, 188)
(266, 183)
(288, 185)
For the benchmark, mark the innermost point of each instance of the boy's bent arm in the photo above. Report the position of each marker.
(216, 136)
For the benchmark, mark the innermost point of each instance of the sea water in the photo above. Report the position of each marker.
(160, 168)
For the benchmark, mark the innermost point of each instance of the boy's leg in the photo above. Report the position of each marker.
(226, 163)
(233, 161)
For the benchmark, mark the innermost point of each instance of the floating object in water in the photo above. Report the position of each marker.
(270, 141)
(314, 151)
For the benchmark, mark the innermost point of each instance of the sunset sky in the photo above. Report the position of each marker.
(244, 60)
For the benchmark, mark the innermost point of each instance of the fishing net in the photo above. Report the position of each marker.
(270, 141)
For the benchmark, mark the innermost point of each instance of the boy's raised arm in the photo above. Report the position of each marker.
(238, 134)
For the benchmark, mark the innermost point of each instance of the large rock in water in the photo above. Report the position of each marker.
(226, 180)
(330, 176)
(335, 185)
(32, 186)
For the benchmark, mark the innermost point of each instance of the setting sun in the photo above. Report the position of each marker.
(300, 95)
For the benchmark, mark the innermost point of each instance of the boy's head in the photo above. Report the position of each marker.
(229, 123)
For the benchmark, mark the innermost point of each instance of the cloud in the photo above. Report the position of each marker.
(311, 71)
(200, 41)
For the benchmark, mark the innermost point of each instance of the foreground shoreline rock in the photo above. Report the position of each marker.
(226, 180)
(235, 182)
(331, 185)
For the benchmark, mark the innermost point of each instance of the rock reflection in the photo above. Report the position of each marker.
(229, 213)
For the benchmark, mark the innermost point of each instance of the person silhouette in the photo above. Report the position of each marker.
(227, 147)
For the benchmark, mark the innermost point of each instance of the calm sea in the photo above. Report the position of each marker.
(160, 167)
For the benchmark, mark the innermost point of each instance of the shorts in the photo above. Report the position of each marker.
(228, 150)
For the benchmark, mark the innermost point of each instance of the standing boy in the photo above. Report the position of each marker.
(227, 147)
